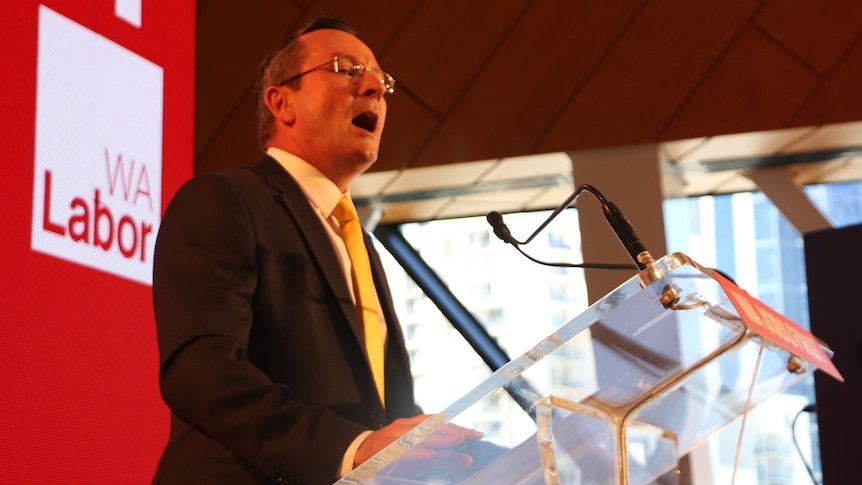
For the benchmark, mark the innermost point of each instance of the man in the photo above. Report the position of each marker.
(263, 358)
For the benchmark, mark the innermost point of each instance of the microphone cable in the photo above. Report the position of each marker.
(621, 226)
(811, 408)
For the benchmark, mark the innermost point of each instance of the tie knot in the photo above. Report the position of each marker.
(345, 211)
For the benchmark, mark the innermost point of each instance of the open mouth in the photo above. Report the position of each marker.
(367, 121)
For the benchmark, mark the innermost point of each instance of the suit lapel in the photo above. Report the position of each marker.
(316, 238)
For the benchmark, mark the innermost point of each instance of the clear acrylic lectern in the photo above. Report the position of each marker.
(613, 397)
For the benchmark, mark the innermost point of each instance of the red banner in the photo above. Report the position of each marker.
(98, 103)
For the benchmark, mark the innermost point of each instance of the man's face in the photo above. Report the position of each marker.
(338, 120)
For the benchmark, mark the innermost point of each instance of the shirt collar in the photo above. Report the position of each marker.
(320, 191)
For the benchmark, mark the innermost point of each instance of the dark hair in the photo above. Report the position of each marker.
(282, 63)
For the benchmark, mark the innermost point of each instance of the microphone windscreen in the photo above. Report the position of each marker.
(500, 230)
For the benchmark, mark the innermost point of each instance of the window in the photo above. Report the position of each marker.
(480, 239)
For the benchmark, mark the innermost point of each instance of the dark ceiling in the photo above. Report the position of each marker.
(486, 79)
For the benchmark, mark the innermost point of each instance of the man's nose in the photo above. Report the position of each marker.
(372, 83)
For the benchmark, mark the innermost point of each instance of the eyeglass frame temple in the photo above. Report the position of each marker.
(387, 80)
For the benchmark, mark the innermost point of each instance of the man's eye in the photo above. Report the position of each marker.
(352, 71)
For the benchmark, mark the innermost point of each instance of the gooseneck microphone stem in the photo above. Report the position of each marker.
(626, 234)
(619, 223)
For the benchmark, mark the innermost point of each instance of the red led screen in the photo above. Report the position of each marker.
(97, 133)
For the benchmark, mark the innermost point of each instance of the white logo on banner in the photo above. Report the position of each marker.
(129, 10)
(98, 168)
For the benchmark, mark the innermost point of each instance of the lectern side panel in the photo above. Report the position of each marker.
(723, 390)
(643, 343)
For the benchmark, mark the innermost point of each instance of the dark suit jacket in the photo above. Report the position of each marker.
(262, 359)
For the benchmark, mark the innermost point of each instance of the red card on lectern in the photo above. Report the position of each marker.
(777, 328)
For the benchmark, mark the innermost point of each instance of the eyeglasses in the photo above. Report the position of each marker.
(350, 69)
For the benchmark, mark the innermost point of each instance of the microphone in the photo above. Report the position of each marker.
(500, 229)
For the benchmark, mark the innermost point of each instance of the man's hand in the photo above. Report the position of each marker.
(435, 445)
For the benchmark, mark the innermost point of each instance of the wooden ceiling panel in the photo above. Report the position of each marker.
(535, 71)
(832, 172)
(839, 98)
(659, 61)
(237, 145)
(376, 23)
(411, 210)
(818, 32)
(540, 165)
(439, 178)
(758, 144)
(485, 80)
(436, 64)
(408, 124)
(503, 201)
(231, 41)
(758, 85)
(829, 137)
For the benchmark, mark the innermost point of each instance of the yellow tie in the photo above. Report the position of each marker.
(363, 287)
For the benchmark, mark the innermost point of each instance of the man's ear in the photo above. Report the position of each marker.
(279, 101)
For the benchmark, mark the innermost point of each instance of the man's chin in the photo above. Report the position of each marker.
(366, 157)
